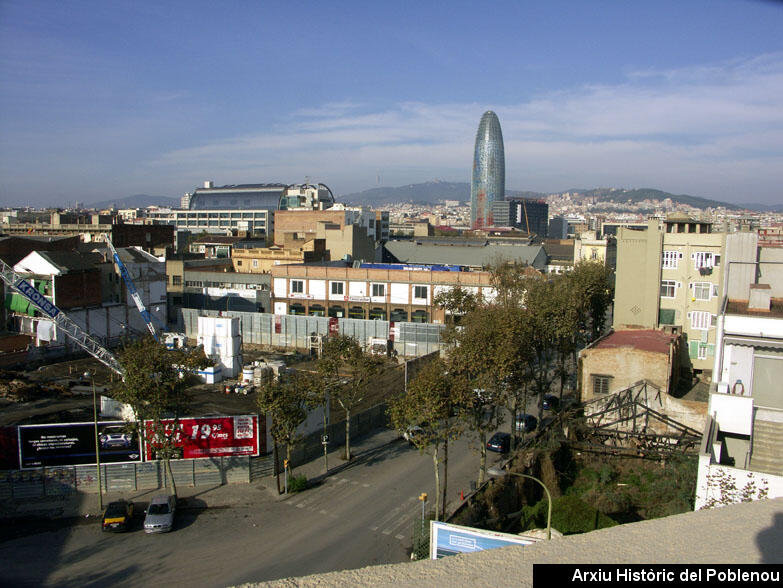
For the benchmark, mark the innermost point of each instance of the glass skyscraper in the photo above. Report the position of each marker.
(489, 171)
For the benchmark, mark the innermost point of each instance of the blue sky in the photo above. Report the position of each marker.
(101, 100)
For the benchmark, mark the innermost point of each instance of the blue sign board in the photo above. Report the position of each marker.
(41, 301)
(446, 539)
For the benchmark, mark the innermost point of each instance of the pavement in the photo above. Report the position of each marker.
(85, 505)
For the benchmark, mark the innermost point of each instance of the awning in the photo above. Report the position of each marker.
(754, 342)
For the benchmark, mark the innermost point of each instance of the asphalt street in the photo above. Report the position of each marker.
(362, 515)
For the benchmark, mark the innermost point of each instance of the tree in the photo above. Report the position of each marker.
(483, 358)
(345, 370)
(285, 401)
(155, 386)
(428, 404)
(457, 302)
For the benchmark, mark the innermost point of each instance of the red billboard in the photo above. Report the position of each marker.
(209, 436)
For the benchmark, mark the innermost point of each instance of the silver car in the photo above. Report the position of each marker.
(160, 514)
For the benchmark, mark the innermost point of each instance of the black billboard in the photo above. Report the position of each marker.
(74, 444)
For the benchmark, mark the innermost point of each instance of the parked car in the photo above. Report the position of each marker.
(411, 433)
(115, 436)
(160, 514)
(551, 402)
(117, 516)
(500, 442)
(526, 423)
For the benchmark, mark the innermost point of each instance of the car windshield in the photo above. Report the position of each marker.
(158, 509)
(115, 510)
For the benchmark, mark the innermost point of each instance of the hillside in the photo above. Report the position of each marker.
(136, 201)
(426, 193)
(638, 195)
(432, 192)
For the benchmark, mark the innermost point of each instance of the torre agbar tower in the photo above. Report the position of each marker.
(489, 171)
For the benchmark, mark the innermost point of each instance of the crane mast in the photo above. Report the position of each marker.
(134, 294)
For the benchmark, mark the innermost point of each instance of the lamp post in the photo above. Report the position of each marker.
(497, 472)
(97, 446)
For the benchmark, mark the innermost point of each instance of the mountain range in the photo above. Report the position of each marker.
(429, 193)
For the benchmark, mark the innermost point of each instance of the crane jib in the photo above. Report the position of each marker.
(27, 289)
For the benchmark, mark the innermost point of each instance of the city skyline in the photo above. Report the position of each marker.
(101, 101)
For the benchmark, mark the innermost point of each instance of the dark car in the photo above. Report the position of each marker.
(500, 442)
(526, 423)
(118, 516)
(551, 402)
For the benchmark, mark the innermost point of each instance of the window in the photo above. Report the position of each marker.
(702, 290)
(668, 288)
(701, 320)
(239, 262)
(601, 384)
(671, 259)
(337, 288)
(255, 263)
(297, 287)
(705, 259)
(420, 292)
(176, 280)
(379, 289)
(702, 351)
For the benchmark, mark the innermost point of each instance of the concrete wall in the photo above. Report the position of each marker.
(708, 483)
(626, 365)
(637, 282)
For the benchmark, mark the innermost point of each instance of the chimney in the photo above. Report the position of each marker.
(759, 297)
(208, 184)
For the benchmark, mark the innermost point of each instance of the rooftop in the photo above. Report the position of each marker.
(644, 340)
(741, 307)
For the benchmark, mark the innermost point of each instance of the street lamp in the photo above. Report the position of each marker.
(497, 472)
(97, 446)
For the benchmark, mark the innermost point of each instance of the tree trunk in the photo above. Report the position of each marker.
(277, 466)
(483, 460)
(445, 478)
(437, 479)
(170, 474)
(347, 434)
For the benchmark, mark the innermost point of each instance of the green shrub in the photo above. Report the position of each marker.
(569, 515)
(297, 483)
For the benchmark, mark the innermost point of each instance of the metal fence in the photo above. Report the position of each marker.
(64, 480)
(294, 332)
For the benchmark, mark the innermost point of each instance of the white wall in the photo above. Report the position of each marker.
(279, 288)
(707, 481)
(399, 294)
(734, 414)
(357, 289)
(317, 289)
(738, 365)
(753, 326)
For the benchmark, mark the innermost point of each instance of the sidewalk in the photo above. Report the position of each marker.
(82, 505)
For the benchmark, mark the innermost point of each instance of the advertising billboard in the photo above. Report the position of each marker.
(210, 436)
(74, 444)
(447, 539)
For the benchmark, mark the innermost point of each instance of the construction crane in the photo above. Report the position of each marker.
(134, 294)
(18, 283)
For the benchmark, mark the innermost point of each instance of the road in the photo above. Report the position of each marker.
(362, 515)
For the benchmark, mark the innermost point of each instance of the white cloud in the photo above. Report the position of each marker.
(713, 131)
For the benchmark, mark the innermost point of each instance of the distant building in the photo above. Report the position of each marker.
(488, 183)
(670, 276)
(528, 215)
(558, 228)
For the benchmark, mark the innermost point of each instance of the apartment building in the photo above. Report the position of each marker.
(670, 276)
(377, 291)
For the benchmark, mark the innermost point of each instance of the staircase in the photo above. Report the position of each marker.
(767, 453)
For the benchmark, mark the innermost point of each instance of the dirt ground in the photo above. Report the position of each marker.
(62, 392)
